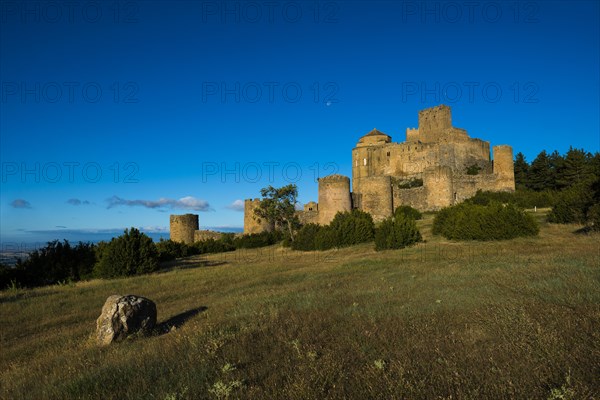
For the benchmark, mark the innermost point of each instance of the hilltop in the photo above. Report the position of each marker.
(442, 319)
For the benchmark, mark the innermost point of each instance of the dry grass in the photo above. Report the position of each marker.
(512, 319)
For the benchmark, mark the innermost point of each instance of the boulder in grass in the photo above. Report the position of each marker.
(123, 316)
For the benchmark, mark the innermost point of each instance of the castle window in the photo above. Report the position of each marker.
(364, 161)
(356, 163)
(388, 153)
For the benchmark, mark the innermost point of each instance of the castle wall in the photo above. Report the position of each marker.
(308, 217)
(200, 236)
(311, 206)
(466, 186)
(412, 134)
(414, 197)
(438, 188)
(182, 228)
(504, 168)
(409, 159)
(334, 197)
(253, 224)
(376, 197)
(442, 189)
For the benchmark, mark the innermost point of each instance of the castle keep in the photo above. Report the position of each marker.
(437, 166)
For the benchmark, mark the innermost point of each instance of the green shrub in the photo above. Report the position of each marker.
(315, 237)
(346, 229)
(169, 250)
(57, 262)
(350, 228)
(212, 246)
(522, 198)
(409, 212)
(572, 205)
(228, 238)
(473, 169)
(594, 217)
(132, 253)
(326, 239)
(10, 276)
(306, 238)
(254, 240)
(408, 184)
(495, 221)
(397, 232)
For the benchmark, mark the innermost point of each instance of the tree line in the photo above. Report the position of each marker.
(556, 172)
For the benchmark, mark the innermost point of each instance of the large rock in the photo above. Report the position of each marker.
(123, 316)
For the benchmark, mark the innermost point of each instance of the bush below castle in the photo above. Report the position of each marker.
(523, 198)
(346, 229)
(397, 232)
(494, 221)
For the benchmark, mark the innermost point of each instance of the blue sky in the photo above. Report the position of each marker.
(116, 116)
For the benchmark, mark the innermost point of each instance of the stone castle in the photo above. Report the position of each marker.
(437, 166)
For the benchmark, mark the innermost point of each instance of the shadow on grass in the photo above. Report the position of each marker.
(177, 321)
(586, 230)
(189, 262)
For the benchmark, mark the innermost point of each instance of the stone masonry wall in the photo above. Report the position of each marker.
(376, 197)
(200, 236)
(334, 197)
(504, 168)
(182, 227)
(253, 224)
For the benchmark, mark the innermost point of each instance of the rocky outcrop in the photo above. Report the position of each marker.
(123, 316)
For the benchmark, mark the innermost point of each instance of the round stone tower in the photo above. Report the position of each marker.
(334, 196)
(376, 197)
(504, 168)
(182, 227)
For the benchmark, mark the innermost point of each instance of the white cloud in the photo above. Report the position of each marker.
(237, 205)
(185, 203)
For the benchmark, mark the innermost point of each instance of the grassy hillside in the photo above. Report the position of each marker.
(512, 319)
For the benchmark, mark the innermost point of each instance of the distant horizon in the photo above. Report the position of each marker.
(23, 244)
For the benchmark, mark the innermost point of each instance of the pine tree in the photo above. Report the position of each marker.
(556, 164)
(521, 171)
(577, 167)
(540, 174)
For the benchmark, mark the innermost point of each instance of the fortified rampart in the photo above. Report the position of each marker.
(437, 166)
(200, 236)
